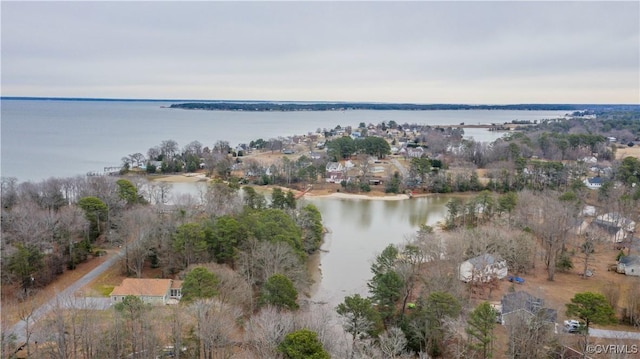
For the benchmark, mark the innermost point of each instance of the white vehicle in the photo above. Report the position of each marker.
(573, 326)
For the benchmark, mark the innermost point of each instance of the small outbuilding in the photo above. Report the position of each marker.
(483, 268)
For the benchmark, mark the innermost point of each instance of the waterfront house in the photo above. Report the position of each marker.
(483, 268)
(150, 291)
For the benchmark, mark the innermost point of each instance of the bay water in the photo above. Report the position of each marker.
(57, 138)
(49, 138)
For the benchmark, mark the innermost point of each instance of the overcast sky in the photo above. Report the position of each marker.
(419, 52)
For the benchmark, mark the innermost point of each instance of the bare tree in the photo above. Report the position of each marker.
(177, 327)
(26, 313)
(220, 200)
(393, 344)
(260, 260)
(632, 311)
(530, 336)
(550, 219)
(215, 324)
(265, 330)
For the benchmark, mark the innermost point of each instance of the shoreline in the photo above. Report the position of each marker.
(199, 177)
(373, 196)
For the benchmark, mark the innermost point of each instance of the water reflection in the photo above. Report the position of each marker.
(359, 230)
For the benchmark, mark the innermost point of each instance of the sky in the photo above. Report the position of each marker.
(409, 52)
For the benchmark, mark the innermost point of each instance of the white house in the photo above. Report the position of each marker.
(483, 268)
(415, 152)
(593, 182)
(618, 226)
(629, 265)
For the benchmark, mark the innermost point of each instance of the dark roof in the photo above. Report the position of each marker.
(484, 260)
(627, 260)
(522, 300)
(595, 180)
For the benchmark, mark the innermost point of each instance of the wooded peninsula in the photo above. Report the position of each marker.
(345, 106)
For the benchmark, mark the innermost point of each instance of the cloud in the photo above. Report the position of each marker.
(498, 52)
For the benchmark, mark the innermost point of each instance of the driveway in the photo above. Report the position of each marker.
(403, 171)
(68, 299)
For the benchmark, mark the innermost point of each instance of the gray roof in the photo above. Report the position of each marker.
(522, 300)
(595, 180)
(484, 260)
(628, 260)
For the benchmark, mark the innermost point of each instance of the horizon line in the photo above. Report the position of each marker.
(56, 98)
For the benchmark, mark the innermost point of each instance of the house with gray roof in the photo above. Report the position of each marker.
(629, 265)
(618, 226)
(483, 268)
(522, 305)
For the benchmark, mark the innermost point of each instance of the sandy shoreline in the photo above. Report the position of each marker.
(181, 178)
(200, 177)
(342, 195)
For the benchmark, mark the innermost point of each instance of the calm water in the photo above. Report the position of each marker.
(48, 138)
(361, 229)
(42, 139)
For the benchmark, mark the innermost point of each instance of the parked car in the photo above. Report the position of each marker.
(573, 326)
(516, 279)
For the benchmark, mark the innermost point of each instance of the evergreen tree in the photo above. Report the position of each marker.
(480, 329)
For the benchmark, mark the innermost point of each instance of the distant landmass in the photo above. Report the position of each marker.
(263, 105)
(347, 106)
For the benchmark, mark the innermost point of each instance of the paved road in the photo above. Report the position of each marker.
(613, 334)
(63, 298)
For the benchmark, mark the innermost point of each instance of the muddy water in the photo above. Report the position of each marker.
(359, 229)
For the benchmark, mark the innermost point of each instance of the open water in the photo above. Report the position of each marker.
(56, 138)
(42, 139)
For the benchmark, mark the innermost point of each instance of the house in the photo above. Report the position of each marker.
(483, 268)
(315, 155)
(334, 167)
(593, 182)
(150, 291)
(522, 305)
(618, 226)
(416, 152)
(629, 265)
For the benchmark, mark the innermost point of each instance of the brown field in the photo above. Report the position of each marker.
(625, 151)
